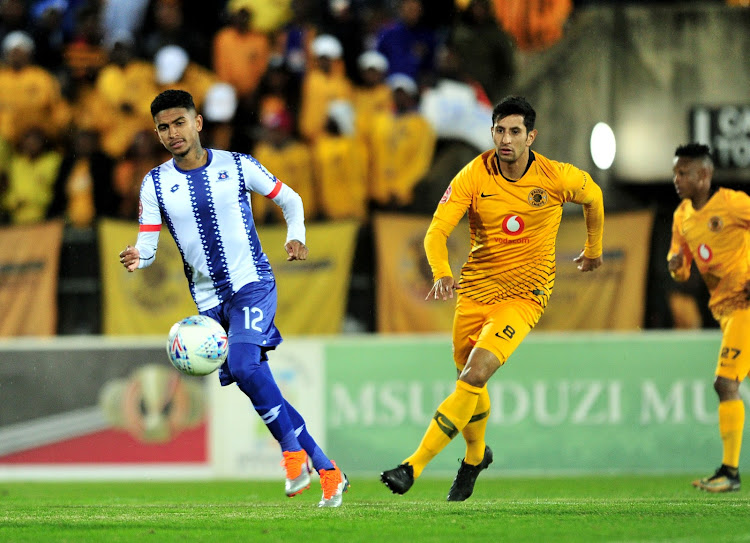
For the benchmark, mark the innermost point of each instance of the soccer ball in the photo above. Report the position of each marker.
(197, 345)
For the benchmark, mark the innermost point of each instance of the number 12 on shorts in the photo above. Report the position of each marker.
(253, 315)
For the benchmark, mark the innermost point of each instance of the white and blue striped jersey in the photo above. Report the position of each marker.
(208, 213)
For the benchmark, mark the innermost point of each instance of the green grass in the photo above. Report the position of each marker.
(616, 508)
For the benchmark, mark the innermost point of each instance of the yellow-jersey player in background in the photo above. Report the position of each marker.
(514, 199)
(713, 230)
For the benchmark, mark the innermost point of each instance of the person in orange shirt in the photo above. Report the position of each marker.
(534, 24)
(514, 198)
(712, 229)
(241, 54)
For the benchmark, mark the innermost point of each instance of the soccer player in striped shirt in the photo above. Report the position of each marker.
(514, 198)
(203, 197)
(712, 229)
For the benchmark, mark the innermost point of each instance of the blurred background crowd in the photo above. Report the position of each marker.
(318, 91)
(351, 102)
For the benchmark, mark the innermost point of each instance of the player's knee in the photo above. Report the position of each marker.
(243, 361)
(727, 389)
(481, 366)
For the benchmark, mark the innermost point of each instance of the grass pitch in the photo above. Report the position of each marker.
(581, 509)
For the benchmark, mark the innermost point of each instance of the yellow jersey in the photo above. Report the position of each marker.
(402, 148)
(293, 165)
(513, 226)
(319, 89)
(717, 238)
(340, 166)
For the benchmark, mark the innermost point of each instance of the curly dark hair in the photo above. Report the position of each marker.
(170, 99)
(693, 150)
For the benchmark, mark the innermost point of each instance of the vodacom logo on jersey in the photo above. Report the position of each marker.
(704, 252)
(513, 225)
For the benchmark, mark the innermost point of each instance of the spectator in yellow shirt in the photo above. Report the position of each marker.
(31, 177)
(29, 95)
(340, 164)
(289, 159)
(125, 85)
(269, 16)
(373, 96)
(323, 83)
(403, 144)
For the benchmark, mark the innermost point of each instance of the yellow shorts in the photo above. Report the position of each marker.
(734, 355)
(498, 328)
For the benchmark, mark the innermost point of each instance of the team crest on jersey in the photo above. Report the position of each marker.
(447, 194)
(537, 197)
(715, 224)
(223, 174)
(513, 225)
(704, 252)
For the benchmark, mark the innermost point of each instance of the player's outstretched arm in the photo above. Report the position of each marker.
(586, 264)
(296, 250)
(130, 258)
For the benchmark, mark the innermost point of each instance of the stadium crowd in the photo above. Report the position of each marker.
(389, 95)
(329, 95)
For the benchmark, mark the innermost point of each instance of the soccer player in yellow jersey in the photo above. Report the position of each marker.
(713, 230)
(514, 199)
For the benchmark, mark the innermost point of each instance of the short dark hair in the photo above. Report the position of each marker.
(170, 99)
(694, 150)
(515, 105)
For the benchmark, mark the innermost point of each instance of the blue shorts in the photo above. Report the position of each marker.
(248, 316)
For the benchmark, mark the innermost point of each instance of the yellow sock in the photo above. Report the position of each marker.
(475, 430)
(731, 424)
(450, 418)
